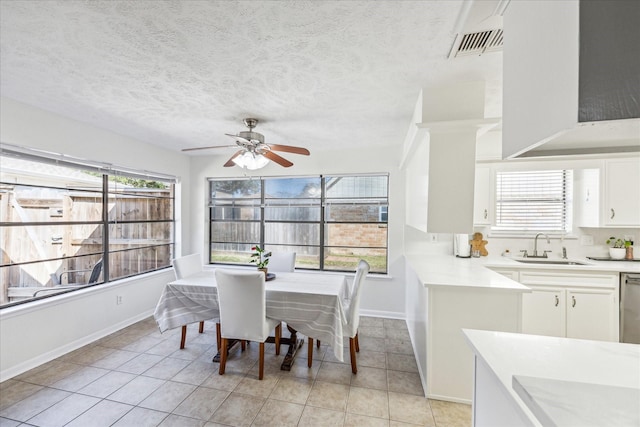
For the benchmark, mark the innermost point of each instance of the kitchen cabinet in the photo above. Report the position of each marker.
(544, 312)
(482, 208)
(445, 294)
(609, 196)
(622, 193)
(590, 314)
(571, 304)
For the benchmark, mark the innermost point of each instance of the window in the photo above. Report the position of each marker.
(65, 225)
(534, 201)
(331, 222)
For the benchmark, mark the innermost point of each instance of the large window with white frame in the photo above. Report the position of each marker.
(67, 224)
(331, 222)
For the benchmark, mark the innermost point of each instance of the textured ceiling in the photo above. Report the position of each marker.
(180, 74)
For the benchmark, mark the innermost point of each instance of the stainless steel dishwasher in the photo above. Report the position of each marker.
(630, 308)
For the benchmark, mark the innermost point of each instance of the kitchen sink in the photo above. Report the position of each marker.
(551, 261)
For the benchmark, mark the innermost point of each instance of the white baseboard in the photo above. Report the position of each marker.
(62, 350)
(383, 314)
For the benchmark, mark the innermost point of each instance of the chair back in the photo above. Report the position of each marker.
(95, 273)
(353, 315)
(187, 265)
(242, 303)
(284, 262)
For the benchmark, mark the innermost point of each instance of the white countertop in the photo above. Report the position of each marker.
(448, 270)
(555, 363)
(589, 264)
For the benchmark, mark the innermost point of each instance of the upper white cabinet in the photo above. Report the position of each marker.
(609, 196)
(482, 209)
(622, 193)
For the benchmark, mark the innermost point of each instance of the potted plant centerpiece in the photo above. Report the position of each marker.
(260, 258)
(619, 247)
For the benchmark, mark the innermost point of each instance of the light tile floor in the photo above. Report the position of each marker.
(138, 377)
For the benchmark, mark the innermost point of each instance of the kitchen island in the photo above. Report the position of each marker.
(529, 380)
(444, 295)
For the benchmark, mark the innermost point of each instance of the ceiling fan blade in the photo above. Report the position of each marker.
(279, 160)
(289, 149)
(239, 138)
(230, 161)
(207, 148)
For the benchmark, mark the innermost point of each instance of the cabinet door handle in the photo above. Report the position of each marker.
(573, 301)
(557, 300)
(486, 214)
(613, 213)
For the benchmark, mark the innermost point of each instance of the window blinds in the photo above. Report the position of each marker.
(533, 200)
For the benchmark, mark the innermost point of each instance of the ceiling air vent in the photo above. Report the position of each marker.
(477, 43)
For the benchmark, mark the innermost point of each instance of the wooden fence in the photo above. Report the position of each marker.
(31, 243)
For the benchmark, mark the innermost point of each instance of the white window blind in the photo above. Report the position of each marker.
(534, 200)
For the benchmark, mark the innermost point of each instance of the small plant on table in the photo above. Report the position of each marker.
(259, 257)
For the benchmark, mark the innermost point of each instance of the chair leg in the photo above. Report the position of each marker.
(278, 335)
(357, 343)
(218, 336)
(223, 356)
(201, 329)
(310, 352)
(318, 343)
(352, 350)
(261, 371)
(184, 336)
(243, 345)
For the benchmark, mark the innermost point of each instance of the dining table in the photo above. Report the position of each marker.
(313, 304)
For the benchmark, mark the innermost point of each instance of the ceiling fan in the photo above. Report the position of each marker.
(254, 153)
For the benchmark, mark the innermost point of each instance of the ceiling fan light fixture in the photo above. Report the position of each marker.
(251, 161)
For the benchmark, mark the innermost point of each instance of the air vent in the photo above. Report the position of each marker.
(477, 43)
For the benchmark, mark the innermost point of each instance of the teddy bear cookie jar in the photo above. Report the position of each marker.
(478, 244)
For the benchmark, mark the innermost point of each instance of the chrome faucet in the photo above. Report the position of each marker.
(535, 246)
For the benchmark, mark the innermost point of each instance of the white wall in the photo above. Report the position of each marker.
(31, 335)
(382, 296)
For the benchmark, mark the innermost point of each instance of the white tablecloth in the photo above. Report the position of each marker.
(312, 304)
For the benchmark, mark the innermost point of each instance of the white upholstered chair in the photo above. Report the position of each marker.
(284, 262)
(353, 316)
(186, 266)
(243, 312)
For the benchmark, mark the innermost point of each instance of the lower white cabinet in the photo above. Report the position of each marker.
(544, 312)
(592, 314)
(571, 304)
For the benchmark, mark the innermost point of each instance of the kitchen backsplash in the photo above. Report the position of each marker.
(577, 244)
(583, 243)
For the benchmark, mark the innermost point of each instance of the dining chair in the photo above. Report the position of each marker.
(186, 266)
(353, 316)
(243, 312)
(284, 262)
